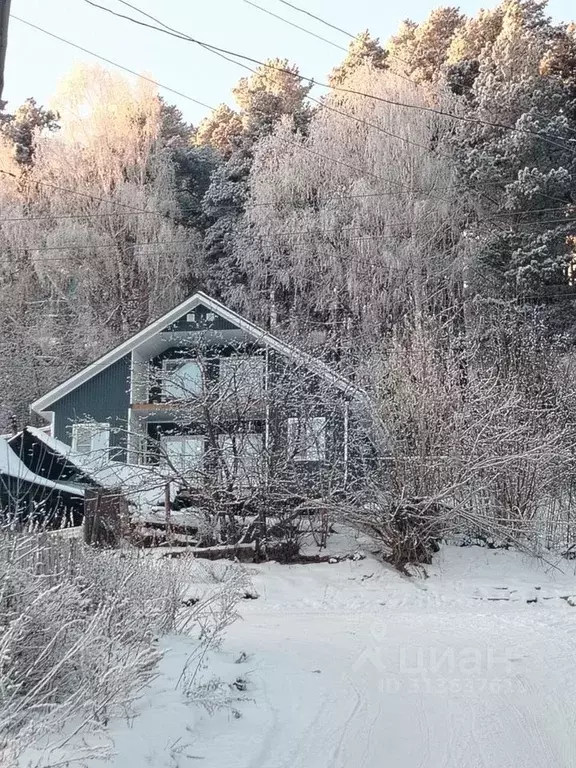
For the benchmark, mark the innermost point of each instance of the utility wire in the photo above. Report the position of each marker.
(393, 102)
(321, 104)
(338, 29)
(297, 26)
(75, 192)
(186, 209)
(317, 18)
(343, 229)
(109, 61)
(280, 237)
(319, 37)
(519, 212)
(251, 204)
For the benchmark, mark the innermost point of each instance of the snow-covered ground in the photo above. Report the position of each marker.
(350, 665)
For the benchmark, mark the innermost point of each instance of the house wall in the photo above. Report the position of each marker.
(103, 398)
(106, 398)
(292, 393)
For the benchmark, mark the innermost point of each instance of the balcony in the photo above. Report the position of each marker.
(185, 389)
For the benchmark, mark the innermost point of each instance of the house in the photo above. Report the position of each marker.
(206, 397)
(28, 500)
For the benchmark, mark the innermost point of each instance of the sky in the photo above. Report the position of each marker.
(36, 62)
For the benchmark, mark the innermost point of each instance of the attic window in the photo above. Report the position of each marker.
(91, 438)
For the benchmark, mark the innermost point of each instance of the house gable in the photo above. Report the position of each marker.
(199, 319)
(192, 314)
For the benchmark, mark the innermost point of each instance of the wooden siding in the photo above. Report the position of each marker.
(104, 398)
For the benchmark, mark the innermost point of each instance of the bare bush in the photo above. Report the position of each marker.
(77, 642)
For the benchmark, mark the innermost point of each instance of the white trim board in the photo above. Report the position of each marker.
(265, 338)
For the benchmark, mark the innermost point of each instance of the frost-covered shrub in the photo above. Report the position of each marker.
(78, 630)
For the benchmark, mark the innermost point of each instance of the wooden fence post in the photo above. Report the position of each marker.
(168, 510)
(104, 511)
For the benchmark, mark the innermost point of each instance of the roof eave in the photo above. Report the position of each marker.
(43, 403)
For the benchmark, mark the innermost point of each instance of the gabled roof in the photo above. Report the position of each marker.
(12, 466)
(43, 403)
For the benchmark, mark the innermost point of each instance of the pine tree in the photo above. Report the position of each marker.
(364, 50)
(275, 92)
(22, 127)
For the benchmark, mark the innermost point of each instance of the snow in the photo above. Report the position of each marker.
(351, 665)
(143, 485)
(12, 466)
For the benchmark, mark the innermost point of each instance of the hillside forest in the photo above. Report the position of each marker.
(414, 224)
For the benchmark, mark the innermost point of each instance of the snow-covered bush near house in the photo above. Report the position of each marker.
(79, 633)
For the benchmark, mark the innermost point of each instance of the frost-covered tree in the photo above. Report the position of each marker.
(21, 128)
(220, 130)
(523, 174)
(93, 243)
(349, 248)
(275, 91)
(421, 49)
(363, 50)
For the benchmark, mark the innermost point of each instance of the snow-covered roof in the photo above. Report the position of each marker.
(199, 298)
(143, 485)
(12, 466)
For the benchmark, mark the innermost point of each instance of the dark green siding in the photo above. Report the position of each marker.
(198, 320)
(104, 398)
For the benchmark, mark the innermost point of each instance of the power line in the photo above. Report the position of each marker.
(251, 204)
(297, 26)
(319, 37)
(343, 229)
(161, 23)
(75, 192)
(338, 29)
(311, 98)
(109, 61)
(279, 237)
(185, 209)
(301, 147)
(109, 246)
(317, 18)
(322, 105)
(443, 113)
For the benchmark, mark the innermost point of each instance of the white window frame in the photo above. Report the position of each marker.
(231, 380)
(248, 472)
(307, 438)
(99, 438)
(170, 366)
(197, 463)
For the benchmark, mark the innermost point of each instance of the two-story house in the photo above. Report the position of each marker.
(210, 397)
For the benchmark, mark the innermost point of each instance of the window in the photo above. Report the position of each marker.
(184, 452)
(241, 457)
(242, 375)
(181, 380)
(307, 439)
(91, 438)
